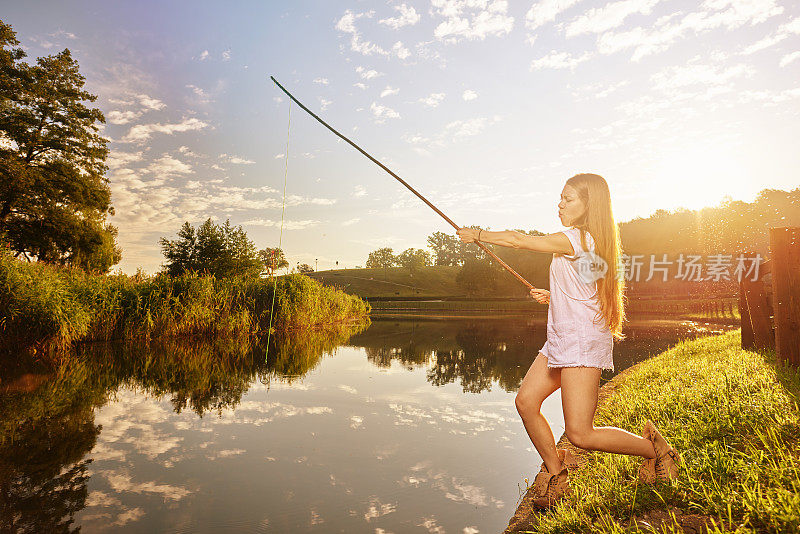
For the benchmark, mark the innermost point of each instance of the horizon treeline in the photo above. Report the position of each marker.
(731, 228)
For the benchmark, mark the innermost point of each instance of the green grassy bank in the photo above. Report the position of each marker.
(434, 281)
(46, 308)
(733, 416)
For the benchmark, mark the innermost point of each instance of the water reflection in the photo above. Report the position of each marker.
(480, 352)
(47, 425)
(199, 436)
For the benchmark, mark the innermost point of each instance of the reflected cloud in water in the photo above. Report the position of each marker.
(403, 425)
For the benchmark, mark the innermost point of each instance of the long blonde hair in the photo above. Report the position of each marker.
(599, 222)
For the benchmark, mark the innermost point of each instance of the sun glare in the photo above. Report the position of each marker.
(699, 175)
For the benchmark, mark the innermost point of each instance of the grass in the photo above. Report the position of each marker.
(47, 309)
(393, 282)
(733, 415)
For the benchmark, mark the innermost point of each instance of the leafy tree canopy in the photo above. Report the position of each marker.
(221, 250)
(414, 259)
(54, 197)
(272, 259)
(381, 258)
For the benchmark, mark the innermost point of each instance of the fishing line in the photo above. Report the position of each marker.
(280, 234)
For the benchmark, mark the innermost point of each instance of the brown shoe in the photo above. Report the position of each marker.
(549, 488)
(665, 465)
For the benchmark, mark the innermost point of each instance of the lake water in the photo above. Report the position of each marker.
(407, 425)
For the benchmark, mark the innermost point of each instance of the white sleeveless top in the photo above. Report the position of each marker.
(574, 337)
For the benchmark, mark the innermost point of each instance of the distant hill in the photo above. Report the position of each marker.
(393, 282)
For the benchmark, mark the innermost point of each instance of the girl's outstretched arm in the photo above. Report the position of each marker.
(551, 243)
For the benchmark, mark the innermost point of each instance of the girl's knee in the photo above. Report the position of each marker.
(527, 403)
(580, 437)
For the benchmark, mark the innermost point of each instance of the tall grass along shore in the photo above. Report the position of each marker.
(48, 308)
(733, 414)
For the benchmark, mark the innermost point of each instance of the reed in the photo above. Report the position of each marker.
(46, 308)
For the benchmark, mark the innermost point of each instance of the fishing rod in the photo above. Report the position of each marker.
(385, 168)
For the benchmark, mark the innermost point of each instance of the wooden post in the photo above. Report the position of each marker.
(748, 338)
(784, 246)
(758, 308)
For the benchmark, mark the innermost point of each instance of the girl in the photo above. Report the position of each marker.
(585, 315)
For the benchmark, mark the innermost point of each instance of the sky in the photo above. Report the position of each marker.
(485, 106)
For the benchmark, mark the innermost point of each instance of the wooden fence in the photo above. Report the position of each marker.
(770, 305)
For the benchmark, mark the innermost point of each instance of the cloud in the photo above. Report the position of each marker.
(467, 128)
(61, 33)
(389, 91)
(376, 509)
(429, 524)
(408, 17)
(470, 19)
(360, 191)
(122, 117)
(287, 224)
(120, 482)
(433, 99)
(143, 132)
(351, 222)
(117, 159)
(598, 90)
(400, 50)
(99, 498)
(382, 112)
(599, 20)
(236, 160)
(544, 11)
(360, 85)
(452, 132)
(167, 166)
(714, 14)
(321, 81)
(204, 55)
(784, 31)
(186, 151)
(226, 55)
(202, 96)
(134, 514)
(150, 103)
(769, 97)
(696, 73)
(367, 74)
(469, 94)
(346, 24)
(323, 104)
(356, 421)
(788, 58)
(559, 60)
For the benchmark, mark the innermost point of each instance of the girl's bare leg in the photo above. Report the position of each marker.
(538, 384)
(579, 389)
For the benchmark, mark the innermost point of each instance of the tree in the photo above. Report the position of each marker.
(414, 259)
(381, 259)
(221, 250)
(450, 250)
(54, 197)
(446, 248)
(477, 277)
(272, 259)
(305, 268)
